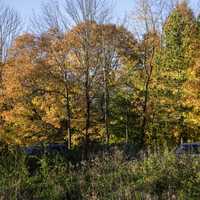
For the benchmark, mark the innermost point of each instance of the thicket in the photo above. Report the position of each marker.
(103, 177)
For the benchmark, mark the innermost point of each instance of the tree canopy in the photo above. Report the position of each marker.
(93, 80)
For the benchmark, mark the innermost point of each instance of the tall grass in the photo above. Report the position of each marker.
(105, 177)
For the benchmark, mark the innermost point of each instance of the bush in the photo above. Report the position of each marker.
(165, 176)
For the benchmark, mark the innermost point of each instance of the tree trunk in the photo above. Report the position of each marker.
(144, 121)
(68, 120)
(86, 47)
(87, 122)
(127, 124)
(106, 106)
(148, 69)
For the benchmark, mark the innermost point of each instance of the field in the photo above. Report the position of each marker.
(105, 176)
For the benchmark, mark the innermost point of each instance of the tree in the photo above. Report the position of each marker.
(20, 115)
(86, 12)
(9, 28)
(117, 47)
(191, 89)
(176, 59)
(149, 15)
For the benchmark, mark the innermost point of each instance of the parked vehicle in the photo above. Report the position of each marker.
(189, 148)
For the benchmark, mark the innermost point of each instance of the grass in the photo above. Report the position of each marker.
(109, 176)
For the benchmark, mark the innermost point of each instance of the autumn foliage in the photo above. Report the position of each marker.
(96, 82)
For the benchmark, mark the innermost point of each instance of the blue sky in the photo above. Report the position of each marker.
(25, 7)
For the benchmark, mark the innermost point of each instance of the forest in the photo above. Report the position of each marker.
(80, 77)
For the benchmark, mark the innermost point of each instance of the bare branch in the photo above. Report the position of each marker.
(51, 18)
(87, 10)
(10, 24)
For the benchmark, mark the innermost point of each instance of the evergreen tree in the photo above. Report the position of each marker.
(175, 59)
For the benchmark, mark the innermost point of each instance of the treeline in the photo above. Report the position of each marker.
(79, 77)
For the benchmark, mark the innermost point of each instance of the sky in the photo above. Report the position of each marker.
(25, 7)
